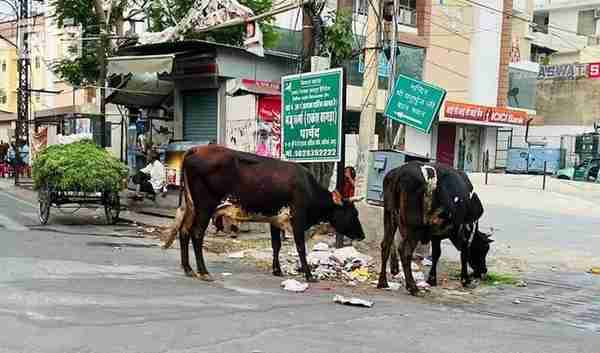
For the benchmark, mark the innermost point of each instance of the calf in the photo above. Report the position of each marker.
(431, 202)
(261, 186)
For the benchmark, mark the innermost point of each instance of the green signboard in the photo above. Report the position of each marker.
(311, 116)
(414, 103)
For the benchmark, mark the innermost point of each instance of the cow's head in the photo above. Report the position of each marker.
(478, 249)
(344, 217)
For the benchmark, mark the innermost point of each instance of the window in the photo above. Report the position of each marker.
(3, 65)
(361, 7)
(586, 23)
(541, 22)
(3, 99)
(37, 62)
(97, 132)
(407, 12)
(522, 87)
(38, 97)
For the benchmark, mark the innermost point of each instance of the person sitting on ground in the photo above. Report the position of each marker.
(152, 178)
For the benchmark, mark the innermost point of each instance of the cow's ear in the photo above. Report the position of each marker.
(337, 198)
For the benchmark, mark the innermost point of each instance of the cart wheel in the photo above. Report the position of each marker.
(112, 207)
(45, 202)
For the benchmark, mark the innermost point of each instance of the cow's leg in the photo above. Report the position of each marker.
(436, 252)
(464, 267)
(276, 245)
(184, 245)
(299, 229)
(406, 249)
(394, 262)
(202, 220)
(387, 243)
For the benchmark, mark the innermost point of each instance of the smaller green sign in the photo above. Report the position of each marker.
(414, 103)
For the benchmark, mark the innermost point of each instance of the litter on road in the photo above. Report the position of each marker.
(352, 301)
(292, 285)
(595, 270)
(517, 301)
(521, 284)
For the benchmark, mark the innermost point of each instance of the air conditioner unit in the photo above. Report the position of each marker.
(596, 13)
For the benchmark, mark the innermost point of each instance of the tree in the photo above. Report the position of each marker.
(337, 42)
(88, 68)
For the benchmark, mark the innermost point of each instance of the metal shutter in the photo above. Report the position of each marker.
(200, 116)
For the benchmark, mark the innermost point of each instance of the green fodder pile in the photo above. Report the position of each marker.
(79, 166)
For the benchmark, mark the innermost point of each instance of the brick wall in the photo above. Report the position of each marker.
(505, 47)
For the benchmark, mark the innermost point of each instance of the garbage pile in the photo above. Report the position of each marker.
(345, 264)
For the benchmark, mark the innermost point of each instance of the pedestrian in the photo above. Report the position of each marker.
(24, 164)
(348, 188)
(349, 182)
(152, 178)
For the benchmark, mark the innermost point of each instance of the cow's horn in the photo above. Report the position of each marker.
(355, 199)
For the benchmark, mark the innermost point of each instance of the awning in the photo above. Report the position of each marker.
(141, 91)
(156, 64)
(83, 111)
(245, 86)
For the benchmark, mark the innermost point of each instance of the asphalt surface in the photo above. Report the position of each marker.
(78, 285)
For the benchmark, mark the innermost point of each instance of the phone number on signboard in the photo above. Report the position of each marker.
(316, 153)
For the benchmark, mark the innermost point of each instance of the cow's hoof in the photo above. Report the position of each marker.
(204, 277)
(383, 283)
(312, 280)
(277, 273)
(470, 284)
(190, 273)
(414, 291)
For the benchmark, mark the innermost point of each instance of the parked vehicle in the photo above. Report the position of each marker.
(586, 171)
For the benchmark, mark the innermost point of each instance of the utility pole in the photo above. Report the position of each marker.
(22, 125)
(389, 131)
(101, 51)
(369, 100)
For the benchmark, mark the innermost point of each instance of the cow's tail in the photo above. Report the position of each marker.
(184, 216)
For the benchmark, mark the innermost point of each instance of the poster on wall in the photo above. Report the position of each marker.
(268, 142)
(241, 135)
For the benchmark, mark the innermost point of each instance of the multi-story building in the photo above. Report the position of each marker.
(566, 31)
(47, 45)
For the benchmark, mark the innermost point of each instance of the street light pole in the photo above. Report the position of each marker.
(22, 125)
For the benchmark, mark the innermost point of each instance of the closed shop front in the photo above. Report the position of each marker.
(467, 131)
(200, 115)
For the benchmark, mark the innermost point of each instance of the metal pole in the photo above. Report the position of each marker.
(544, 178)
(487, 165)
(342, 163)
(392, 74)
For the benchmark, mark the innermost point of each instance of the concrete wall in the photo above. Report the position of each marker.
(485, 54)
(568, 102)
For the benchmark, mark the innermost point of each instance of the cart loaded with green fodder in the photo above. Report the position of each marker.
(78, 175)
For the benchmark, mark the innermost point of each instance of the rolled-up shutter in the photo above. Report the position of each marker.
(200, 116)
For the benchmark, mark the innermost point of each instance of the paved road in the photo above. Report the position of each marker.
(80, 287)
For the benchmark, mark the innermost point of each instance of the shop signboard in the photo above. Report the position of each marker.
(482, 115)
(311, 116)
(594, 71)
(414, 103)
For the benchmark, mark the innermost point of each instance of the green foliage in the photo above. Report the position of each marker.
(338, 38)
(84, 70)
(79, 166)
(231, 35)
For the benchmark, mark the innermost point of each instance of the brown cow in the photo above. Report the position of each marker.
(260, 185)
